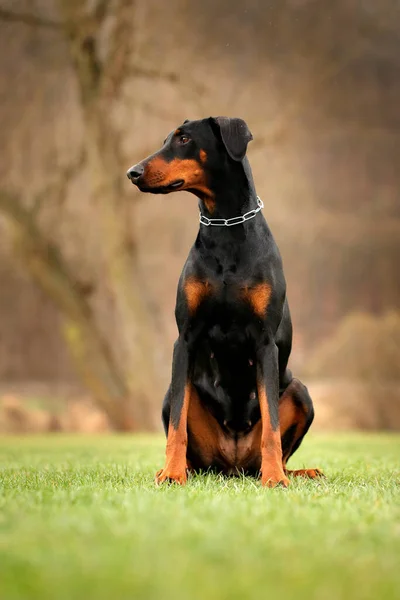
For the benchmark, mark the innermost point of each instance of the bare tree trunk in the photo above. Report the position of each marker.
(99, 83)
(100, 67)
(92, 354)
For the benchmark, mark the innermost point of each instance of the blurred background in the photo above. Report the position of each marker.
(89, 267)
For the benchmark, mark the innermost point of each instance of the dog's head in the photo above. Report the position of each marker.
(192, 156)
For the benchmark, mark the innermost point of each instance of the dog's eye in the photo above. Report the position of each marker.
(184, 139)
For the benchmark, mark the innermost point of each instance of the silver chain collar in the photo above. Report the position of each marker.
(233, 220)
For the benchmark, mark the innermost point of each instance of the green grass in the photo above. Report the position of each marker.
(80, 518)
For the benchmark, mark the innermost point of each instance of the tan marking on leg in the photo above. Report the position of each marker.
(248, 451)
(271, 449)
(175, 463)
(205, 433)
(287, 413)
(211, 445)
(293, 414)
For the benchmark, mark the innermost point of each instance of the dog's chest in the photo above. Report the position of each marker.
(231, 302)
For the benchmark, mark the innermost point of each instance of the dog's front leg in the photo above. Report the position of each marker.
(175, 463)
(272, 472)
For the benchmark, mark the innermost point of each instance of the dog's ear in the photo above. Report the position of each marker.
(186, 121)
(235, 135)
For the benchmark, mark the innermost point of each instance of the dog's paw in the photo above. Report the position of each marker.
(307, 473)
(273, 479)
(166, 476)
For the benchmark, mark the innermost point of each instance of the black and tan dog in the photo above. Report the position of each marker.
(233, 405)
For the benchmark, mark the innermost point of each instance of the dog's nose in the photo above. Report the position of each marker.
(135, 172)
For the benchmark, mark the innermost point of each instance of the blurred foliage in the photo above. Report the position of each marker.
(89, 87)
(363, 347)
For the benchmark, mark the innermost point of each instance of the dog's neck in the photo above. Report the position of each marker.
(234, 195)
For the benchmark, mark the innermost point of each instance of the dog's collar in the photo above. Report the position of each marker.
(233, 220)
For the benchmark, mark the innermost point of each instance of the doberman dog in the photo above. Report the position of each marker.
(233, 405)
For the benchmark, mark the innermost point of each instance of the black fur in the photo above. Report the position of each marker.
(224, 346)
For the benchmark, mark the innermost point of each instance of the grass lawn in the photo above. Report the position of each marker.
(80, 517)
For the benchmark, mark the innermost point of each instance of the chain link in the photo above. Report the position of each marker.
(233, 220)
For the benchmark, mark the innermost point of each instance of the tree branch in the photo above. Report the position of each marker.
(57, 188)
(100, 11)
(28, 19)
(116, 63)
(154, 74)
(23, 219)
(80, 31)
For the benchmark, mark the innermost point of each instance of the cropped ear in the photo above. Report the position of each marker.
(235, 135)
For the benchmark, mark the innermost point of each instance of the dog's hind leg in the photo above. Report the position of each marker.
(296, 413)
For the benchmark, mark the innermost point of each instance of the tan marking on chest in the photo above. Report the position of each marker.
(196, 291)
(258, 297)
